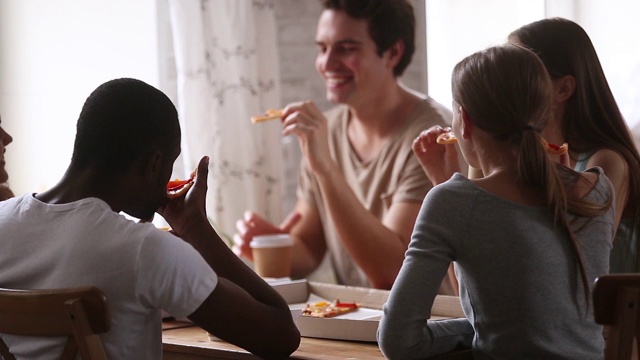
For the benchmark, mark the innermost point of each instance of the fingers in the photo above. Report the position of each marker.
(427, 138)
(242, 227)
(565, 160)
(241, 240)
(203, 173)
(307, 107)
(301, 118)
(252, 225)
(241, 247)
(420, 143)
(246, 230)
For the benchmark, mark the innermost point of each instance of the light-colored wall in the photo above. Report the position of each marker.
(53, 53)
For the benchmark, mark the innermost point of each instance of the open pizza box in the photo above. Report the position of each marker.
(360, 325)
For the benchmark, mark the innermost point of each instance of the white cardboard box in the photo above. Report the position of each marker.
(361, 325)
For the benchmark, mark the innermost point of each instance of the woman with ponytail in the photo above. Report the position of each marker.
(527, 239)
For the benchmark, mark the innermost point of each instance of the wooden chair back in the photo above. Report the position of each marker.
(77, 313)
(616, 303)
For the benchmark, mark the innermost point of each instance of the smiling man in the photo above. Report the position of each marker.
(360, 185)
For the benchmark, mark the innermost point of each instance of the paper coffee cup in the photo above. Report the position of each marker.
(272, 255)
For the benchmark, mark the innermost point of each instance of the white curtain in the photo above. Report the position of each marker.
(227, 70)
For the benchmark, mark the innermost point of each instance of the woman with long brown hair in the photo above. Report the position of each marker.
(586, 116)
(527, 239)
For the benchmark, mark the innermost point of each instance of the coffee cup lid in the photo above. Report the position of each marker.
(271, 240)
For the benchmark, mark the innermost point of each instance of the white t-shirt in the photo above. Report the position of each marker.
(141, 269)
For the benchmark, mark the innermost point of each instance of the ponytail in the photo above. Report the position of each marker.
(536, 169)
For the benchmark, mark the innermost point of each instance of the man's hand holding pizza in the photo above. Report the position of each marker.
(186, 208)
(307, 122)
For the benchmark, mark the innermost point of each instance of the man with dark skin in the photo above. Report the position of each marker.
(128, 139)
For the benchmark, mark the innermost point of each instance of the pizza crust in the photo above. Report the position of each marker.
(446, 138)
(270, 114)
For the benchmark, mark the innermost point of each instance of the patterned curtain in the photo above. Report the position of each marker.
(227, 70)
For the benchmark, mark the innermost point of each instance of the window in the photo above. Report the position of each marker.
(457, 28)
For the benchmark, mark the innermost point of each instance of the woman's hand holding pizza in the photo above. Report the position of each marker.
(186, 208)
(439, 161)
(559, 153)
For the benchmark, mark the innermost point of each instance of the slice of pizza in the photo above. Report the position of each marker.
(325, 309)
(446, 138)
(270, 114)
(553, 149)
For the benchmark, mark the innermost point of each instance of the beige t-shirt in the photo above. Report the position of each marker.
(393, 176)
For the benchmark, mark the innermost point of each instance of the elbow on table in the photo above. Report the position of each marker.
(396, 347)
(397, 352)
(397, 341)
(286, 340)
(292, 341)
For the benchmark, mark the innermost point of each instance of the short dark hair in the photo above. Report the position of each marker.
(120, 121)
(388, 21)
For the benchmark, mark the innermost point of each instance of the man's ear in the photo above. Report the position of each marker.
(153, 165)
(563, 88)
(395, 53)
(467, 124)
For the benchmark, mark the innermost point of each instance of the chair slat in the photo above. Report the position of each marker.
(616, 301)
(78, 313)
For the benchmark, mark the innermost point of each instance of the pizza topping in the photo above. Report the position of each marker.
(177, 187)
(346, 304)
(325, 309)
(446, 138)
(176, 184)
(270, 114)
(553, 149)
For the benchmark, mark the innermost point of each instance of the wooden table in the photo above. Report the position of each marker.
(189, 342)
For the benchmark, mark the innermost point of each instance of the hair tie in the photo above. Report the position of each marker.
(531, 127)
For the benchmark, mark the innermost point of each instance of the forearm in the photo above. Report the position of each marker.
(378, 250)
(226, 264)
(305, 260)
(405, 331)
(232, 314)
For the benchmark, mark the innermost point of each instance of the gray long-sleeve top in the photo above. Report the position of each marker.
(520, 286)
